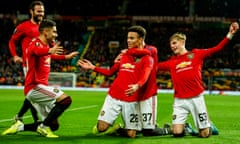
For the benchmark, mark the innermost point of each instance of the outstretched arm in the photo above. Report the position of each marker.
(86, 64)
(71, 55)
(232, 30)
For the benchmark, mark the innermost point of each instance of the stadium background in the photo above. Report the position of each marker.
(97, 30)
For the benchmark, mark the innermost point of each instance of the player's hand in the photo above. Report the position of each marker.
(86, 64)
(234, 28)
(124, 51)
(17, 59)
(71, 55)
(118, 58)
(132, 89)
(56, 49)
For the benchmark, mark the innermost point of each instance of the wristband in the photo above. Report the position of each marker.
(229, 36)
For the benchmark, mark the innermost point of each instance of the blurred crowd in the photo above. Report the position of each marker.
(220, 71)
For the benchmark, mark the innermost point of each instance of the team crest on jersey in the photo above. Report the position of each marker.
(190, 56)
(137, 60)
(37, 44)
(102, 113)
(56, 90)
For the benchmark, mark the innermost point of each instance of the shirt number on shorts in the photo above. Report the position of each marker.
(134, 118)
(146, 116)
(202, 117)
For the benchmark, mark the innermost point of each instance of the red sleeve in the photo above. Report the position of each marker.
(57, 57)
(15, 38)
(106, 71)
(210, 51)
(146, 71)
(164, 66)
(40, 51)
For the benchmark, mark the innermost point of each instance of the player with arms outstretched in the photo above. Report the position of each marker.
(185, 68)
(50, 102)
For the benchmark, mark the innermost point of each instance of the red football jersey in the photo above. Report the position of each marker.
(23, 33)
(150, 88)
(38, 62)
(186, 70)
(131, 70)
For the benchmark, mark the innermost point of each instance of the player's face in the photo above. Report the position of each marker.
(38, 13)
(51, 34)
(177, 46)
(133, 40)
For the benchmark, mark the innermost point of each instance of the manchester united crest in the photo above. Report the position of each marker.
(102, 113)
(56, 90)
(174, 117)
(190, 56)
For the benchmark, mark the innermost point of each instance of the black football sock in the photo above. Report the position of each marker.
(34, 113)
(155, 132)
(122, 132)
(31, 127)
(57, 110)
(26, 105)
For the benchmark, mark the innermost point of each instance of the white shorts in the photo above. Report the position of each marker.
(148, 110)
(43, 98)
(113, 107)
(196, 106)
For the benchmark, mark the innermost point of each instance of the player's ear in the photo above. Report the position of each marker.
(31, 11)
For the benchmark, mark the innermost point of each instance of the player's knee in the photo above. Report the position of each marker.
(205, 133)
(131, 133)
(178, 130)
(66, 102)
(102, 126)
(179, 134)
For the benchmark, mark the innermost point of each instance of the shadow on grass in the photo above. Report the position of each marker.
(31, 138)
(34, 138)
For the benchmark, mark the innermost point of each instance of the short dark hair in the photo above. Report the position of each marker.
(138, 29)
(34, 3)
(46, 23)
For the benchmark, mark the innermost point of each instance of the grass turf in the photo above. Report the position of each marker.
(77, 122)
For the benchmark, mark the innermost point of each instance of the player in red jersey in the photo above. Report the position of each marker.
(50, 102)
(148, 93)
(23, 35)
(123, 96)
(185, 68)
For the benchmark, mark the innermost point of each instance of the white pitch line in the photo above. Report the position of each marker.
(79, 108)
(73, 109)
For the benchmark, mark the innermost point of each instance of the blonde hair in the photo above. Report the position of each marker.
(178, 36)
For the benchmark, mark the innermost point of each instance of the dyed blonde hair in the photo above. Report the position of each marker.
(178, 36)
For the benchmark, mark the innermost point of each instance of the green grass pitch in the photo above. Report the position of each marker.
(77, 122)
